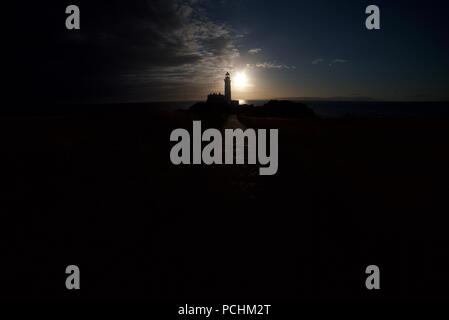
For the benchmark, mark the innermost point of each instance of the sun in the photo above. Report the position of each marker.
(241, 80)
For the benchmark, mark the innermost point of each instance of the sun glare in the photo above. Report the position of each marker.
(241, 80)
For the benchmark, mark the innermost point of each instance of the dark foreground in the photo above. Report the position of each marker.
(97, 189)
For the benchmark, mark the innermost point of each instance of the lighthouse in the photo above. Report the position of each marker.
(226, 99)
(227, 90)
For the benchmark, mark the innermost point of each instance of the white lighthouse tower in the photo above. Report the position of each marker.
(227, 91)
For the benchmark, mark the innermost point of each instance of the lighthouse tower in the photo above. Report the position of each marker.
(227, 91)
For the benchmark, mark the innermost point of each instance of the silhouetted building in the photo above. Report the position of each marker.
(216, 98)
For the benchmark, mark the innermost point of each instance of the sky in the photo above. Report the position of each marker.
(163, 50)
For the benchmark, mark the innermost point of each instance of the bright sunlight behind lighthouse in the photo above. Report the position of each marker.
(241, 81)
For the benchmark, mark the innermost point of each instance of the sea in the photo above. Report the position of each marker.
(352, 109)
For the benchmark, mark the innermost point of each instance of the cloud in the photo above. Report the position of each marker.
(188, 48)
(155, 47)
(335, 61)
(255, 51)
(269, 65)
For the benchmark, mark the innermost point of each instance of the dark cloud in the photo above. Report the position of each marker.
(122, 47)
(335, 61)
